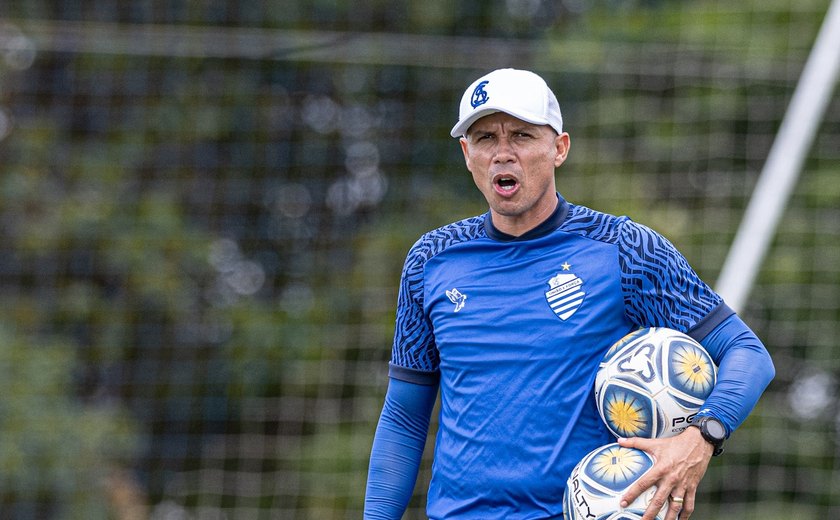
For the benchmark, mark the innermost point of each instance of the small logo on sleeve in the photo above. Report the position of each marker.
(457, 298)
(565, 294)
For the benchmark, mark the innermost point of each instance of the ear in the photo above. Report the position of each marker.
(465, 148)
(561, 147)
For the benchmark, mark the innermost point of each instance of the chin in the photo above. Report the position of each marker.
(507, 209)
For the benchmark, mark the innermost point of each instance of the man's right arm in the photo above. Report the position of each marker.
(398, 448)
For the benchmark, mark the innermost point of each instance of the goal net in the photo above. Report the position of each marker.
(205, 207)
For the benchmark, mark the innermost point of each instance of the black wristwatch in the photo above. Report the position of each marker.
(713, 431)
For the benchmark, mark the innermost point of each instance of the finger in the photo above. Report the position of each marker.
(634, 442)
(643, 483)
(688, 505)
(640, 486)
(676, 504)
(659, 500)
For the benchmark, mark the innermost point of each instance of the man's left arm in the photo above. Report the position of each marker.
(744, 371)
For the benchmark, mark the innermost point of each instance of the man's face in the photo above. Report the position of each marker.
(512, 163)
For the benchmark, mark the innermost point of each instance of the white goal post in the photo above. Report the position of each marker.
(784, 163)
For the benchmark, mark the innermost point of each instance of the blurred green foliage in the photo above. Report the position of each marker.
(55, 451)
(199, 281)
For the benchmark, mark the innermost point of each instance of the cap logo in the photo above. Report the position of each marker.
(479, 95)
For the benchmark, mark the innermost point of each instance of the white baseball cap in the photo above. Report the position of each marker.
(519, 93)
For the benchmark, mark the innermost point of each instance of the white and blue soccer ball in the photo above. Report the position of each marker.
(652, 382)
(601, 478)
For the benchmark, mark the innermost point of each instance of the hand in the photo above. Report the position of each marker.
(681, 462)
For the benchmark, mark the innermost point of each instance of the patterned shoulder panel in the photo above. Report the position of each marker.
(660, 287)
(414, 346)
(593, 224)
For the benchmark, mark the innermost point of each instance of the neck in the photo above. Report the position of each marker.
(518, 225)
(547, 226)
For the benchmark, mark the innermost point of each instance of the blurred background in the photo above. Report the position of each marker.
(205, 207)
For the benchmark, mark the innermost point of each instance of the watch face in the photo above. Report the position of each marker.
(715, 429)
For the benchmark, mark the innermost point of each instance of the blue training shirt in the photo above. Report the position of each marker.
(513, 329)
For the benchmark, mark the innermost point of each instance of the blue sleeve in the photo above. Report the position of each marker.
(397, 449)
(744, 371)
(414, 342)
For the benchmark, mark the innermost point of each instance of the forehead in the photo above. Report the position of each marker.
(499, 121)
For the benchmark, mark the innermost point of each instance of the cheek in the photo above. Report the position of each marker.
(477, 165)
(542, 172)
(544, 163)
(481, 182)
(475, 162)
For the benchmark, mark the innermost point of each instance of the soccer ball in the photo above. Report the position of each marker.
(652, 382)
(600, 479)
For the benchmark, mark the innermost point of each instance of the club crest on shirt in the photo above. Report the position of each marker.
(565, 294)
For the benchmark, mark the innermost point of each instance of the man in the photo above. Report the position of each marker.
(514, 371)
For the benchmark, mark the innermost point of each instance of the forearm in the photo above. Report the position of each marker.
(745, 369)
(397, 449)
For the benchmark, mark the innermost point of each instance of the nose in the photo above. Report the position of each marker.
(504, 151)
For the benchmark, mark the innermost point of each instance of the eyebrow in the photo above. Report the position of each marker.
(521, 128)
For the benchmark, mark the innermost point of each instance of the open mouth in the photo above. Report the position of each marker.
(506, 184)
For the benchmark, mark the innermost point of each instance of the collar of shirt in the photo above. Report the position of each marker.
(544, 228)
